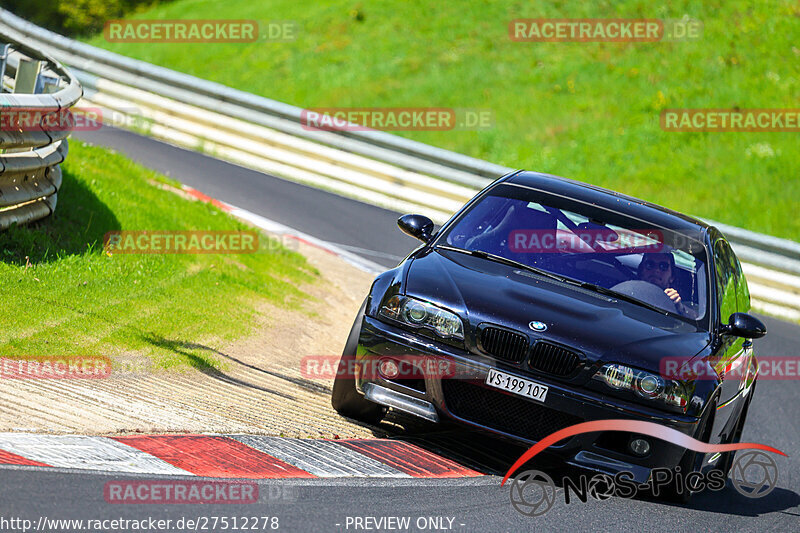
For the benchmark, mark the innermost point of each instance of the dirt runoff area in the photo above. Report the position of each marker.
(261, 390)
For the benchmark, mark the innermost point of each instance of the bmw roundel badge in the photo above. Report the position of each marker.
(537, 326)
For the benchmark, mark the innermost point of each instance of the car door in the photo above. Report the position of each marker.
(732, 352)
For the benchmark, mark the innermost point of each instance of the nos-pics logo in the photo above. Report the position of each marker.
(754, 474)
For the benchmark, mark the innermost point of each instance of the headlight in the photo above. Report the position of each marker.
(421, 314)
(644, 384)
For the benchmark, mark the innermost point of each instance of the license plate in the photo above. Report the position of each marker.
(511, 383)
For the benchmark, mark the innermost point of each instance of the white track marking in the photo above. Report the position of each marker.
(90, 453)
(320, 457)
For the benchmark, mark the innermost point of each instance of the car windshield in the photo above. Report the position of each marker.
(580, 241)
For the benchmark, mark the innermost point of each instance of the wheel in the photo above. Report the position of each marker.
(726, 461)
(346, 400)
(691, 461)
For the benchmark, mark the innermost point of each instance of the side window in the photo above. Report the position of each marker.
(742, 290)
(726, 280)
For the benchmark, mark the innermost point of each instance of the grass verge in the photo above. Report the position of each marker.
(588, 111)
(65, 296)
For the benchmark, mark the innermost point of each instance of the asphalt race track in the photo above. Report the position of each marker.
(468, 504)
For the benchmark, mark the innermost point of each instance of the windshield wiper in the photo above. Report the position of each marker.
(563, 279)
(510, 262)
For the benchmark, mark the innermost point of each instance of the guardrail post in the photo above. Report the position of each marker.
(3, 59)
(27, 74)
(46, 84)
(30, 153)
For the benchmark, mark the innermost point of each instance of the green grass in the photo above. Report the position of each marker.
(63, 295)
(588, 111)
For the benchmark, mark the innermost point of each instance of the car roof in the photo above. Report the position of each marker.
(611, 200)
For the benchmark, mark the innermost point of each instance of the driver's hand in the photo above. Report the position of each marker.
(673, 295)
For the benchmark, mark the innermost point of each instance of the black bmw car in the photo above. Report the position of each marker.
(546, 302)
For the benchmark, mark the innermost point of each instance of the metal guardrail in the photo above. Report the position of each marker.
(452, 166)
(30, 175)
(267, 135)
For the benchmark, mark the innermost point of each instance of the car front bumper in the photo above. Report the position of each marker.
(461, 396)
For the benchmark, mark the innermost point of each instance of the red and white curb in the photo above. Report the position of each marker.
(230, 456)
(277, 228)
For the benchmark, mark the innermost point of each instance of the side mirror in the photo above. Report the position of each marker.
(417, 226)
(744, 325)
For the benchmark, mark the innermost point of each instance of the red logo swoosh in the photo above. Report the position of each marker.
(634, 426)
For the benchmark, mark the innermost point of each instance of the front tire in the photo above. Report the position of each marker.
(346, 400)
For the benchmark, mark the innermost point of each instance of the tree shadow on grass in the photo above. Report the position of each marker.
(76, 227)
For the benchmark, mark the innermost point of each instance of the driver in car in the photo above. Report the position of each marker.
(657, 268)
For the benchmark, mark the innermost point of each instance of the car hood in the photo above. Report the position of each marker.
(603, 328)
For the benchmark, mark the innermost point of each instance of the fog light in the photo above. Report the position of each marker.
(388, 368)
(640, 446)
